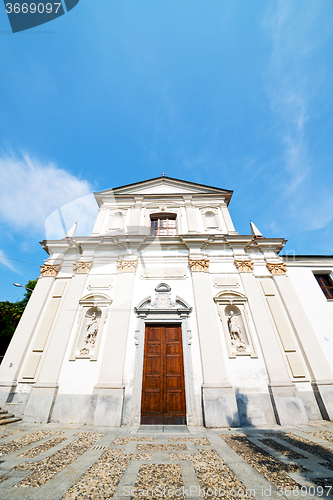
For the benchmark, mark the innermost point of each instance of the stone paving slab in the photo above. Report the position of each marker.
(74, 462)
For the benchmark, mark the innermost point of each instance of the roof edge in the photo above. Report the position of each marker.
(164, 177)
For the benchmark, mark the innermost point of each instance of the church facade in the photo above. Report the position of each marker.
(166, 315)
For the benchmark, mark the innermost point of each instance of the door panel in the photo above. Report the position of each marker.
(163, 388)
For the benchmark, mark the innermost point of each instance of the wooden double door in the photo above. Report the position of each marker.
(163, 388)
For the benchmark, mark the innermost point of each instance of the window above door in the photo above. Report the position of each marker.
(163, 225)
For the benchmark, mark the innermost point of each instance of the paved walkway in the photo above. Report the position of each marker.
(69, 462)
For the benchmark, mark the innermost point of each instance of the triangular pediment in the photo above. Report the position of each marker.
(163, 186)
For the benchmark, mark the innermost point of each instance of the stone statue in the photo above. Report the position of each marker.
(92, 329)
(235, 330)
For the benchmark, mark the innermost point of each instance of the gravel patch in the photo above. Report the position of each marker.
(327, 436)
(293, 455)
(17, 444)
(100, 481)
(152, 479)
(43, 447)
(3, 478)
(9, 433)
(125, 440)
(307, 445)
(50, 466)
(269, 467)
(214, 475)
(198, 441)
(326, 484)
(161, 447)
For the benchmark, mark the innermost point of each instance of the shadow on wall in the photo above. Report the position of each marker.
(240, 419)
(242, 403)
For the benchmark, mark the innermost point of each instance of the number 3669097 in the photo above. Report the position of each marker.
(32, 8)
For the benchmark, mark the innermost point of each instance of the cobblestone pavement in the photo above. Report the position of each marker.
(75, 462)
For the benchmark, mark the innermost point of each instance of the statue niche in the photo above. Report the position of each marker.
(238, 336)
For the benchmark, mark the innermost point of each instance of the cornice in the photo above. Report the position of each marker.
(321, 261)
(87, 245)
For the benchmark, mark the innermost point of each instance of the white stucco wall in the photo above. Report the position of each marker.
(318, 309)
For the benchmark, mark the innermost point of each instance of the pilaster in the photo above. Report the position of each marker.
(18, 348)
(100, 220)
(287, 405)
(44, 391)
(319, 369)
(192, 222)
(110, 386)
(227, 219)
(219, 401)
(135, 216)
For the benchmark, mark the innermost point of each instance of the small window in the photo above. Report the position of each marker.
(326, 284)
(164, 225)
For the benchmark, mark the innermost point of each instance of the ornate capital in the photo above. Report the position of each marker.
(80, 267)
(277, 267)
(199, 265)
(127, 266)
(49, 269)
(244, 266)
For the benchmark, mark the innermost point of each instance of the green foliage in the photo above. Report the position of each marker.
(10, 315)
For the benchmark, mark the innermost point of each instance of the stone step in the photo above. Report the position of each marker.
(10, 420)
(7, 418)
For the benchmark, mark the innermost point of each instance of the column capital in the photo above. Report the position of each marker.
(81, 267)
(197, 265)
(277, 267)
(127, 266)
(244, 265)
(49, 269)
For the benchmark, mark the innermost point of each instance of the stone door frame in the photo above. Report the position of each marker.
(164, 311)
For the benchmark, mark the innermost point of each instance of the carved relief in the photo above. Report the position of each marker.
(277, 268)
(82, 267)
(49, 269)
(197, 265)
(244, 266)
(127, 266)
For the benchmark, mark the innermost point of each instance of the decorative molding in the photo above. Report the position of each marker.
(80, 267)
(244, 266)
(163, 305)
(277, 267)
(209, 208)
(197, 265)
(127, 266)
(49, 269)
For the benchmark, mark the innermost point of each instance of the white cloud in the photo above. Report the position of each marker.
(298, 32)
(30, 190)
(83, 211)
(6, 262)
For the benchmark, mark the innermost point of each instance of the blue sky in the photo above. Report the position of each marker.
(231, 93)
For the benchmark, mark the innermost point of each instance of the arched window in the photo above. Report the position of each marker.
(163, 224)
